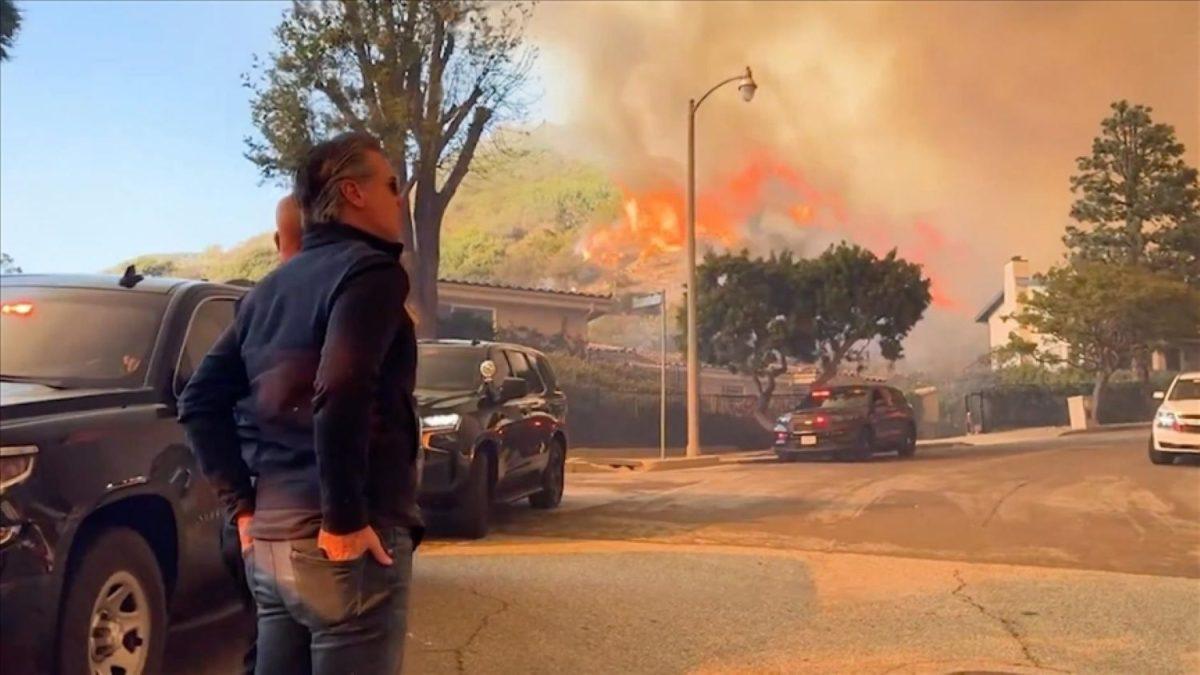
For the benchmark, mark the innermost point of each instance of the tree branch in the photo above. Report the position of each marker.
(455, 117)
(463, 162)
(366, 66)
(337, 96)
(437, 68)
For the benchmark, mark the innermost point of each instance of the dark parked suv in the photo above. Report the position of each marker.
(851, 423)
(107, 526)
(493, 421)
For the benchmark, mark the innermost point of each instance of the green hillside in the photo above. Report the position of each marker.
(517, 219)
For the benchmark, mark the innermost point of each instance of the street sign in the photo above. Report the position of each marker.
(647, 301)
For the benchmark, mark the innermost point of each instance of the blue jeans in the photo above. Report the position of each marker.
(324, 617)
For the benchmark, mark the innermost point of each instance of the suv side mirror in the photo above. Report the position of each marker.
(1159, 395)
(512, 388)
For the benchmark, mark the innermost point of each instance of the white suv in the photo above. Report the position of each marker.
(1177, 424)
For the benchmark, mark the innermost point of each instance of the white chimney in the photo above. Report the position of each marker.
(1016, 279)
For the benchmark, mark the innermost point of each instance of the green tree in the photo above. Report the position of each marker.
(1103, 314)
(754, 317)
(428, 78)
(471, 254)
(164, 268)
(251, 260)
(10, 25)
(7, 265)
(860, 300)
(1137, 201)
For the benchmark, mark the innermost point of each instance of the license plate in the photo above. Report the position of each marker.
(808, 440)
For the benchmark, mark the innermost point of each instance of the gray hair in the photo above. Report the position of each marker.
(327, 164)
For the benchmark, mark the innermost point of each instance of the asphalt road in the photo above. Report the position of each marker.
(1075, 555)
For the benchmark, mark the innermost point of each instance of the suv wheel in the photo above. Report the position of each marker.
(114, 617)
(473, 514)
(908, 446)
(553, 479)
(863, 448)
(1160, 457)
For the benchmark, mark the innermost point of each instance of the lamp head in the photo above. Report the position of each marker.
(747, 86)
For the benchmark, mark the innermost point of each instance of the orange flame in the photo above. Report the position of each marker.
(652, 224)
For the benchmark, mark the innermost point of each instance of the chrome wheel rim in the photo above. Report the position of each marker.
(119, 634)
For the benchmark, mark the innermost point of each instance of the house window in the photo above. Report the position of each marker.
(732, 390)
(468, 323)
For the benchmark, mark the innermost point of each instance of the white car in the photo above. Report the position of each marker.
(1177, 423)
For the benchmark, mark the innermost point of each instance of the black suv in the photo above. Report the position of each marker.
(493, 427)
(107, 526)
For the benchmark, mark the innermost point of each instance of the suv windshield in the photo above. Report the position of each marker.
(76, 337)
(446, 368)
(836, 398)
(1186, 390)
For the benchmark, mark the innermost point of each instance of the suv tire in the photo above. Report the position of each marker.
(473, 513)
(864, 448)
(553, 479)
(114, 612)
(908, 446)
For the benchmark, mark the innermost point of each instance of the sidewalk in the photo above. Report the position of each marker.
(1031, 435)
(610, 460)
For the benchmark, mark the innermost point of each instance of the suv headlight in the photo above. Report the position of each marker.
(434, 425)
(1166, 420)
(16, 463)
(448, 422)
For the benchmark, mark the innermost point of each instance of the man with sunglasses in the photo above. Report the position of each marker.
(326, 354)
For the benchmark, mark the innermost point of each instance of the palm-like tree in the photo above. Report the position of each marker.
(10, 23)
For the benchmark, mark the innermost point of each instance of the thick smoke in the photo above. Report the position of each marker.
(955, 123)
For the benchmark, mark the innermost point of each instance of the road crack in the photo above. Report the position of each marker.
(460, 652)
(1000, 502)
(1009, 626)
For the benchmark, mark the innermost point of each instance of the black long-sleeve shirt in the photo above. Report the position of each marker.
(324, 354)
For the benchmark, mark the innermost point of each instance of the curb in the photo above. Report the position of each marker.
(598, 465)
(680, 463)
(748, 457)
(1108, 428)
(575, 465)
(940, 445)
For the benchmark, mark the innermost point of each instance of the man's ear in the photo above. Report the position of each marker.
(352, 194)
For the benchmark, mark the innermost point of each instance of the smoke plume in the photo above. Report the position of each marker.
(946, 129)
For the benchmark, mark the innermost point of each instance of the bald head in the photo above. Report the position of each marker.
(287, 228)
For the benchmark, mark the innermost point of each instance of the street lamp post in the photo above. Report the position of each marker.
(747, 86)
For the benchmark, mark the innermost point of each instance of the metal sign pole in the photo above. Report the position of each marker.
(662, 413)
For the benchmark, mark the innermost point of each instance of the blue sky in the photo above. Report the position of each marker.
(121, 127)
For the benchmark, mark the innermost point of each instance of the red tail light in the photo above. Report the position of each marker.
(821, 422)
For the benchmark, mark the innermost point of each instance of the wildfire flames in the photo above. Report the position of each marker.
(653, 222)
